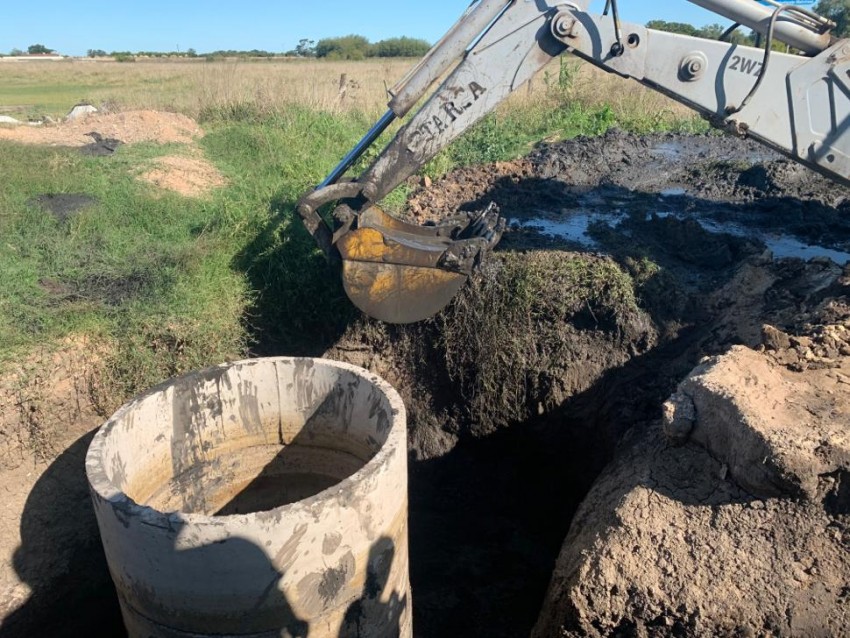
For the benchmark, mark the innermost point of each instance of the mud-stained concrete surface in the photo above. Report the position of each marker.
(628, 260)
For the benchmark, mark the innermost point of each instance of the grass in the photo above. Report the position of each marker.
(172, 283)
(131, 267)
(29, 89)
(511, 326)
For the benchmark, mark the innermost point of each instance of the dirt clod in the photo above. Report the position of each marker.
(728, 535)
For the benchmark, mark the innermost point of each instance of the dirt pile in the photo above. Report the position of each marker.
(102, 134)
(530, 331)
(44, 399)
(743, 531)
(187, 176)
(129, 127)
(48, 547)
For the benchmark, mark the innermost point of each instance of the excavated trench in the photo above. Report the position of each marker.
(628, 259)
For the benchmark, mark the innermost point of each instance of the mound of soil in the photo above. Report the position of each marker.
(129, 127)
(188, 176)
(50, 559)
(743, 531)
(102, 134)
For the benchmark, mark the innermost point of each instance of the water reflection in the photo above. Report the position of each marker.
(574, 225)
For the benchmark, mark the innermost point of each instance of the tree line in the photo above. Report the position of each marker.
(836, 10)
(350, 47)
(358, 47)
(33, 49)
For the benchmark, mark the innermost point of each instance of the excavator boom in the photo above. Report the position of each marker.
(400, 272)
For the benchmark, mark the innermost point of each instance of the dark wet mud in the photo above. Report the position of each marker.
(63, 206)
(654, 189)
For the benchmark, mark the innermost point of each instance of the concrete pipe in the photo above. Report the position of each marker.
(260, 498)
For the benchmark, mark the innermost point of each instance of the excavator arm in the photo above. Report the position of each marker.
(400, 272)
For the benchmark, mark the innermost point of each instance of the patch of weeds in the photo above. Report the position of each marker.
(125, 260)
(507, 334)
(300, 307)
(241, 110)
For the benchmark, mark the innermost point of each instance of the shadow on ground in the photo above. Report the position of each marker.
(62, 560)
(300, 308)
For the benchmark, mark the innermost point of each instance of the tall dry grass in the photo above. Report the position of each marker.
(198, 87)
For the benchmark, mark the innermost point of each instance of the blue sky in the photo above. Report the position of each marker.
(74, 27)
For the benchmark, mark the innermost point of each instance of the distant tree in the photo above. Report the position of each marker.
(305, 48)
(708, 32)
(191, 53)
(349, 47)
(745, 38)
(123, 56)
(714, 31)
(400, 48)
(36, 49)
(16, 52)
(711, 31)
(839, 12)
(673, 27)
(96, 53)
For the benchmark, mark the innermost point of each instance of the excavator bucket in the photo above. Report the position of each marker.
(400, 273)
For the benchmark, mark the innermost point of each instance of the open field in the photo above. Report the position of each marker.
(193, 86)
(199, 88)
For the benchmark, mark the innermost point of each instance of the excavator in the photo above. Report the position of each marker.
(795, 102)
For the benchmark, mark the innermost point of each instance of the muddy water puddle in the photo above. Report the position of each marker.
(246, 480)
(575, 226)
(683, 149)
(571, 226)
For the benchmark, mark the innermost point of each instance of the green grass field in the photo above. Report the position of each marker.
(171, 283)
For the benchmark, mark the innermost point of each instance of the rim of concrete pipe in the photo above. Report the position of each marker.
(106, 489)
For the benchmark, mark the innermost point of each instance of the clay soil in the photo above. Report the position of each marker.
(517, 408)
